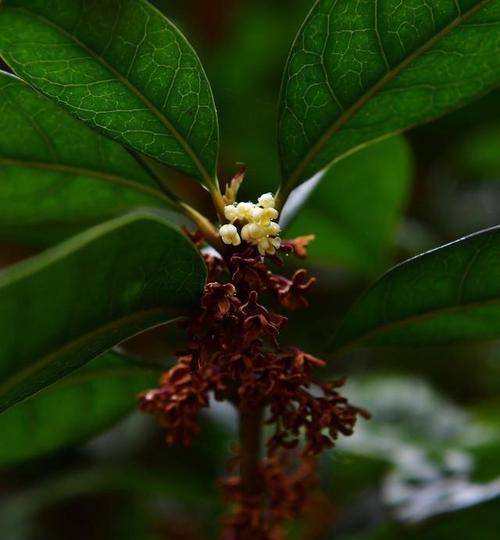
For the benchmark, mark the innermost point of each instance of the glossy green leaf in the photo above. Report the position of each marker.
(55, 171)
(93, 398)
(123, 68)
(359, 71)
(70, 304)
(355, 209)
(450, 294)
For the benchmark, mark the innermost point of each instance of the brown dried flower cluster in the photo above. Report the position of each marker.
(235, 354)
(284, 495)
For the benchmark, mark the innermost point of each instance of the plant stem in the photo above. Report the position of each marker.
(204, 225)
(250, 444)
(218, 201)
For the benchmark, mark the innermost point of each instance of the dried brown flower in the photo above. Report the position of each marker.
(234, 352)
(298, 245)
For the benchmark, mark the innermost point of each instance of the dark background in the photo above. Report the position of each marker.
(427, 465)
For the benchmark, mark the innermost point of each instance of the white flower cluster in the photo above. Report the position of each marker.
(258, 227)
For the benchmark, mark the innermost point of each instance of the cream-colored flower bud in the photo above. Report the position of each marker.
(244, 210)
(276, 242)
(231, 213)
(273, 229)
(258, 225)
(268, 214)
(257, 213)
(268, 246)
(229, 235)
(263, 246)
(267, 200)
(252, 233)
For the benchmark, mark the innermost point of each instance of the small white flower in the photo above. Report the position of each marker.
(267, 200)
(258, 227)
(244, 210)
(268, 246)
(252, 232)
(231, 213)
(268, 214)
(276, 242)
(263, 246)
(257, 213)
(229, 235)
(273, 229)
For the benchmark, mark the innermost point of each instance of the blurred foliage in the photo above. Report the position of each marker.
(351, 231)
(95, 397)
(435, 426)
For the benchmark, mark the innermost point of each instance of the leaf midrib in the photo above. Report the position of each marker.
(93, 335)
(388, 77)
(82, 171)
(394, 325)
(155, 110)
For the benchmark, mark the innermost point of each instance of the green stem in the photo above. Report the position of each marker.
(204, 225)
(218, 200)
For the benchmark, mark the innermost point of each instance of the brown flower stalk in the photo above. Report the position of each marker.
(234, 352)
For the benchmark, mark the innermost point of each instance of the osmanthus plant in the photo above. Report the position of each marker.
(103, 92)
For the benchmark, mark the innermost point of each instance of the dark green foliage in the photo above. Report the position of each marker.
(113, 112)
(447, 295)
(123, 68)
(54, 170)
(81, 405)
(68, 305)
(355, 210)
(359, 71)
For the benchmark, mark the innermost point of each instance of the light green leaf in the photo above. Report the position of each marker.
(70, 304)
(355, 209)
(123, 68)
(362, 70)
(55, 171)
(450, 294)
(94, 398)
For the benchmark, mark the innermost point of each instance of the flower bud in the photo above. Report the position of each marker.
(252, 232)
(268, 214)
(244, 210)
(229, 235)
(231, 213)
(268, 246)
(257, 213)
(257, 222)
(267, 200)
(273, 229)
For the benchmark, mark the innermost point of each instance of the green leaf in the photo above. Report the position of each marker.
(56, 171)
(123, 68)
(360, 71)
(105, 390)
(450, 294)
(70, 304)
(356, 208)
